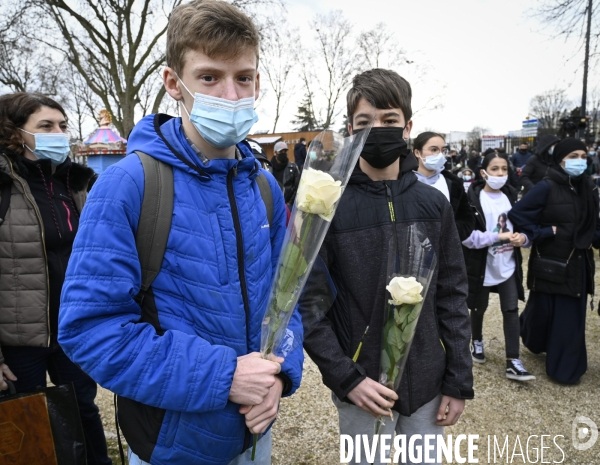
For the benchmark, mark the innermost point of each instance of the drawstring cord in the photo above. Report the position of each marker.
(50, 200)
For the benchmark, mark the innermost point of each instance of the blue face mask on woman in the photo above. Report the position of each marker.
(222, 123)
(50, 146)
(575, 167)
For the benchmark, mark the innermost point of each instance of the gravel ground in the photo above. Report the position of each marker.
(306, 430)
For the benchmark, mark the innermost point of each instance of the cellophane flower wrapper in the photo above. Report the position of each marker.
(324, 178)
(411, 266)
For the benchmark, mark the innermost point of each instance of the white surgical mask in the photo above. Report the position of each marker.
(495, 182)
(434, 162)
(222, 123)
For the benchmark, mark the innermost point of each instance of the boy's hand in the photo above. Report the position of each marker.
(253, 379)
(259, 417)
(450, 411)
(5, 373)
(373, 397)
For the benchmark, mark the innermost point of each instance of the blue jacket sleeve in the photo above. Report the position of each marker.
(291, 370)
(99, 325)
(526, 213)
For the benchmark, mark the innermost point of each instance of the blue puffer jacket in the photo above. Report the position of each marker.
(181, 378)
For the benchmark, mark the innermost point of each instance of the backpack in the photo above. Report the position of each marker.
(155, 217)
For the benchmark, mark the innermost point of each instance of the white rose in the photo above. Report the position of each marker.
(405, 291)
(317, 193)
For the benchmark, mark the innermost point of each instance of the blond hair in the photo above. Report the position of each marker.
(213, 27)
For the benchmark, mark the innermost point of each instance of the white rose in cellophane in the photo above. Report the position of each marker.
(317, 193)
(405, 291)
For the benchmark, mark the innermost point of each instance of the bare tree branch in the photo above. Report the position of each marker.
(279, 57)
(549, 107)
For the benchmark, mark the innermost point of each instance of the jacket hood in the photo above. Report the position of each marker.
(161, 136)
(544, 144)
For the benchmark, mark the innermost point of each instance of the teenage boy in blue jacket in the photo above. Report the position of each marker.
(192, 387)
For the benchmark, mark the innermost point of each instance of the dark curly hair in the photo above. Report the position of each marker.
(15, 110)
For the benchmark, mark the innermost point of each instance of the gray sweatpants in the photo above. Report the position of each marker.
(354, 420)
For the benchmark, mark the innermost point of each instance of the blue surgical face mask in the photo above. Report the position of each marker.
(50, 146)
(312, 155)
(575, 167)
(434, 162)
(467, 177)
(222, 123)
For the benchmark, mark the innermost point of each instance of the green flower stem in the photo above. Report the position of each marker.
(294, 261)
(254, 446)
(306, 227)
(273, 310)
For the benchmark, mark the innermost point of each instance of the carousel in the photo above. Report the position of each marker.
(103, 148)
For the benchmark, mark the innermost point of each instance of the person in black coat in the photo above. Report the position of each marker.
(285, 173)
(494, 263)
(537, 165)
(300, 153)
(428, 151)
(560, 216)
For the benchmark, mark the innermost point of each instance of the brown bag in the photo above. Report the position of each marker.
(41, 427)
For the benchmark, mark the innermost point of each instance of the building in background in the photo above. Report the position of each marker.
(268, 141)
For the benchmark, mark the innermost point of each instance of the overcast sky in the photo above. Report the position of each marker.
(492, 56)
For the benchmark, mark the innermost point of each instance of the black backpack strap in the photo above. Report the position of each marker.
(4, 201)
(155, 217)
(267, 195)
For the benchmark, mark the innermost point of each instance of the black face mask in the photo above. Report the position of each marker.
(282, 157)
(383, 147)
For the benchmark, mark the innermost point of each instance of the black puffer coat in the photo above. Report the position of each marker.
(554, 202)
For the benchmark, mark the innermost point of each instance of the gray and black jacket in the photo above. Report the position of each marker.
(35, 244)
(355, 251)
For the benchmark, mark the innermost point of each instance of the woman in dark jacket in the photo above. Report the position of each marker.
(46, 193)
(494, 263)
(428, 151)
(537, 165)
(560, 216)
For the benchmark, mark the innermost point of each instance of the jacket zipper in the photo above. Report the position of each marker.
(393, 219)
(41, 225)
(240, 248)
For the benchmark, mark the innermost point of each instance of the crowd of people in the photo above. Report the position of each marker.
(181, 349)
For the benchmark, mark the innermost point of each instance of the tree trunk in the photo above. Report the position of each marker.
(158, 100)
